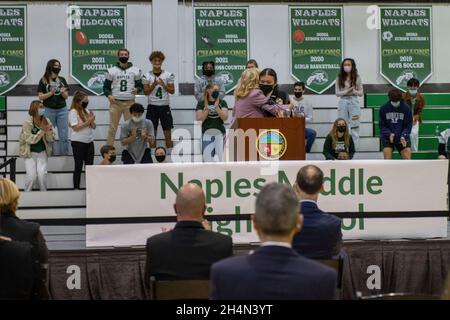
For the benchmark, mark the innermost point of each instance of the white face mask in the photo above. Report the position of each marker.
(137, 119)
(395, 104)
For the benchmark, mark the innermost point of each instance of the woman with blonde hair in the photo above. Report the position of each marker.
(18, 230)
(339, 142)
(35, 145)
(82, 123)
(251, 101)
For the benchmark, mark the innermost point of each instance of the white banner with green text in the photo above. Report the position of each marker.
(120, 197)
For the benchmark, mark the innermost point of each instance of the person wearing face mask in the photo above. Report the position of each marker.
(303, 107)
(208, 77)
(136, 135)
(339, 142)
(108, 154)
(395, 126)
(160, 154)
(35, 145)
(120, 87)
(416, 101)
(251, 101)
(54, 91)
(268, 85)
(348, 89)
(82, 125)
(212, 111)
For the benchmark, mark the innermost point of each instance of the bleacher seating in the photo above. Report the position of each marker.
(436, 113)
(62, 203)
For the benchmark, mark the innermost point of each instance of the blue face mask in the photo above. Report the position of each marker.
(41, 112)
(413, 92)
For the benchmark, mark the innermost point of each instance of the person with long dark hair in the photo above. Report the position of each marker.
(54, 91)
(348, 89)
(268, 83)
(82, 123)
(251, 101)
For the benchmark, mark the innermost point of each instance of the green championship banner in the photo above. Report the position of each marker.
(13, 49)
(405, 44)
(316, 45)
(96, 33)
(221, 35)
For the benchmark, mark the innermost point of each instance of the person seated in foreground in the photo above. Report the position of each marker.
(321, 236)
(189, 250)
(275, 270)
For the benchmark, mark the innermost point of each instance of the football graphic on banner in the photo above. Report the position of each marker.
(81, 38)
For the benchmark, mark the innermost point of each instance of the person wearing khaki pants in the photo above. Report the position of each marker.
(116, 109)
(120, 87)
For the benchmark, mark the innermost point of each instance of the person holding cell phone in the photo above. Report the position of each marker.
(54, 91)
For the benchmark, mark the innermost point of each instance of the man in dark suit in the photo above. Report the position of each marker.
(273, 271)
(189, 250)
(321, 236)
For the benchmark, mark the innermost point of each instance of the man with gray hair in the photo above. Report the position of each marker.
(321, 236)
(188, 251)
(273, 271)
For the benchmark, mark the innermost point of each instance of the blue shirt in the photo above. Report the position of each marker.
(395, 120)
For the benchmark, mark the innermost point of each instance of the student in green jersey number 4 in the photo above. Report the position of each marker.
(212, 111)
(158, 85)
(121, 85)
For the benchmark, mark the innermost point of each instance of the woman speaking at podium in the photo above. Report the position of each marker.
(251, 101)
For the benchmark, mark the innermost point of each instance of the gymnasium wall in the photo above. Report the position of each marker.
(168, 25)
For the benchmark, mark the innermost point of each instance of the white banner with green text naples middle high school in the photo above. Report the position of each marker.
(142, 191)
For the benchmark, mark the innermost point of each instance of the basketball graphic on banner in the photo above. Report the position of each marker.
(298, 36)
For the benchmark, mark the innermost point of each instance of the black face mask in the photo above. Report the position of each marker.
(266, 88)
(341, 129)
(160, 158)
(123, 59)
(208, 73)
(298, 94)
(112, 158)
(84, 104)
(56, 70)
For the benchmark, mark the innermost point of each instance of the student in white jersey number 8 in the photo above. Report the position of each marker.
(158, 84)
(121, 85)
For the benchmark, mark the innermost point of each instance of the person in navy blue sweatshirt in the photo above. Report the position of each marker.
(395, 126)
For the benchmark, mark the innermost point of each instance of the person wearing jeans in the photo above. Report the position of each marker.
(212, 111)
(348, 89)
(82, 123)
(303, 107)
(35, 145)
(53, 91)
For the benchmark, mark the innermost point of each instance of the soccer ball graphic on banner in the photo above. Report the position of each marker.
(387, 36)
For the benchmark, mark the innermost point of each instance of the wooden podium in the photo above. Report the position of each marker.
(292, 138)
